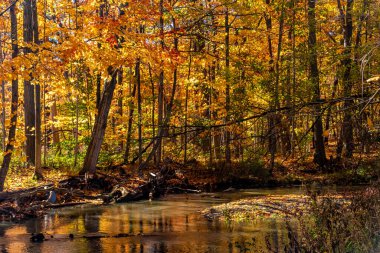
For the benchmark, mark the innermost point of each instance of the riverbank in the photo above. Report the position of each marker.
(123, 183)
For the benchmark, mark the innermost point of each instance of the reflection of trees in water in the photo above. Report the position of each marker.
(3, 248)
(91, 225)
(173, 231)
(160, 248)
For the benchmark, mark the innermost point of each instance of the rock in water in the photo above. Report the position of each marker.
(37, 238)
(52, 197)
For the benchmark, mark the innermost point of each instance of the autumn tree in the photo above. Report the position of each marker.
(14, 100)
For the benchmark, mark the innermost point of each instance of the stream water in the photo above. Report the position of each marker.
(171, 224)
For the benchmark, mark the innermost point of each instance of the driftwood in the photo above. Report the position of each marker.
(155, 186)
(13, 194)
(67, 204)
(85, 189)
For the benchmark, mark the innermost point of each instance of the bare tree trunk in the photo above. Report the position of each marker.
(99, 74)
(227, 79)
(76, 130)
(14, 104)
(120, 102)
(98, 89)
(293, 121)
(347, 127)
(329, 110)
(53, 114)
(98, 132)
(319, 154)
(153, 107)
(160, 87)
(348, 135)
(364, 132)
(3, 137)
(29, 104)
(37, 99)
(272, 138)
(276, 100)
(130, 122)
(38, 136)
(186, 105)
(138, 82)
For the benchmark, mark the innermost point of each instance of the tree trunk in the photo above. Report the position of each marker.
(98, 132)
(3, 137)
(98, 88)
(329, 110)
(14, 103)
(153, 107)
(160, 87)
(272, 137)
(138, 82)
(347, 128)
(319, 154)
(37, 99)
(29, 104)
(187, 105)
(346, 133)
(227, 79)
(130, 122)
(55, 132)
(120, 102)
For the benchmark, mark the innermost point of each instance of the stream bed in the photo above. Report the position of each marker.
(170, 224)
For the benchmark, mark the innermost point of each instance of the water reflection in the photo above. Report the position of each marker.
(169, 225)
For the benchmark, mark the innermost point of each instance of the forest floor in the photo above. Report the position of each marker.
(26, 197)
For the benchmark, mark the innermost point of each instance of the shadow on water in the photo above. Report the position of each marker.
(172, 224)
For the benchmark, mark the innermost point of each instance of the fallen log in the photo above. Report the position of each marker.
(179, 189)
(67, 204)
(154, 187)
(7, 195)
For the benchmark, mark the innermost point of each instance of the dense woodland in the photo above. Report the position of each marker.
(97, 83)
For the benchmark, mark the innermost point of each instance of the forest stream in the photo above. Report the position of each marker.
(170, 224)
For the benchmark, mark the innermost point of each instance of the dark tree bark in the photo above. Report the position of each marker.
(160, 88)
(3, 137)
(329, 110)
(14, 104)
(98, 132)
(130, 122)
(272, 135)
(153, 106)
(187, 108)
(98, 89)
(319, 154)
(227, 79)
(29, 103)
(347, 136)
(37, 104)
(138, 82)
